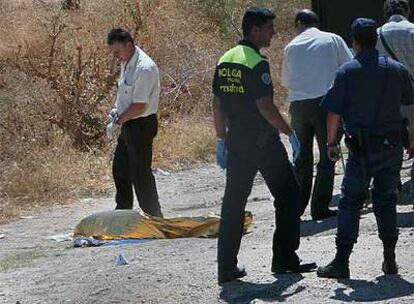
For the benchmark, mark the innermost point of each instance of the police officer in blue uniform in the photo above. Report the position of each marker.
(247, 123)
(367, 94)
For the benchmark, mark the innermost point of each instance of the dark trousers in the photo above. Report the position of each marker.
(272, 161)
(132, 166)
(309, 121)
(383, 165)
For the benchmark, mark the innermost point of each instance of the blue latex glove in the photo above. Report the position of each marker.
(221, 154)
(295, 143)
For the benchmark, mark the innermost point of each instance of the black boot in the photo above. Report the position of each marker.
(389, 266)
(339, 267)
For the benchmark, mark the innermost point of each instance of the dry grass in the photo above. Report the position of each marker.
(184, 143)
(57, 85)
(50, 177)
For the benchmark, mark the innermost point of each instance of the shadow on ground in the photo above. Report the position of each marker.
(245, 292)
(310, 227)
(405, 220)
(383, 289)
(406, 196)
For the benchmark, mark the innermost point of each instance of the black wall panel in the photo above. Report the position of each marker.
(337, 15)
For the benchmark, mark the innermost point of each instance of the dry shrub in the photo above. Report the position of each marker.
(38, 164)
(57, 85)
(56, 88)
(75, 65)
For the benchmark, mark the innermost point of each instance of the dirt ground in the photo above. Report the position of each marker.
(34, 269)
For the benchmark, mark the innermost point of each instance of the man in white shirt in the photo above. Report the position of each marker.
(136, 111)
(309, 68)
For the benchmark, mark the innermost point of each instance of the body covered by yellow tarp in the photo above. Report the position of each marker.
(130, 224)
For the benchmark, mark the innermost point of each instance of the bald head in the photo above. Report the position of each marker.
(306, 18)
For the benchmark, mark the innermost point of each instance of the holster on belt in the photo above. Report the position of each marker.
(405, 134)
(352, 144)
(386, 140)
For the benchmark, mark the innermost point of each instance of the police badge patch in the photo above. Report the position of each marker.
(266, 79)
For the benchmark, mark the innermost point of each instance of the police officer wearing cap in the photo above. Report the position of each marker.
(248, 124)
(367, 95)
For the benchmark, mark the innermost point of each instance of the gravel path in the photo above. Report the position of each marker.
(36, 270)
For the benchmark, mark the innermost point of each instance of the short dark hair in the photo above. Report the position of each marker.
(256, 16)
(307, 18)
(396, 7)
(366, 39)
(119, 35)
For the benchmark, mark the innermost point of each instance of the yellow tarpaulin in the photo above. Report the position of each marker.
(130, 224)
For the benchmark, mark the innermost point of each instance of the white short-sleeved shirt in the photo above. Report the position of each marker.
(310, 63)
(139, 82)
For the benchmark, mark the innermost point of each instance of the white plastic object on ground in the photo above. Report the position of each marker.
(121, 260)
(61, 238)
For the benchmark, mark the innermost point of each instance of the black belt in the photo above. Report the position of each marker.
(369, 138)
(141, 120)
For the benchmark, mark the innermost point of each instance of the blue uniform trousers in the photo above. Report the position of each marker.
(383, 165)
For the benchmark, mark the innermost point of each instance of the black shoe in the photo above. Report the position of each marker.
(298, 268)
(324, 215)
(334, 270)
(229, 276)
(400, 187)
(389, 267)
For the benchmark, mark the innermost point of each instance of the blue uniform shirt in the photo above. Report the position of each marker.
(363, 99)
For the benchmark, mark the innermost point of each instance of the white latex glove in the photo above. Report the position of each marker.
(113, 113)
(113, 117)
(110, 130)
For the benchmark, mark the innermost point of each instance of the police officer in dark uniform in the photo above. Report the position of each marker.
(247, 124)
(367, 94)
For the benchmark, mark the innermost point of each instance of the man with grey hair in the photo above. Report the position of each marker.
(396, 39)
(397, 35)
